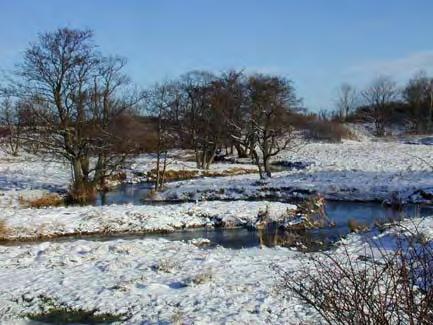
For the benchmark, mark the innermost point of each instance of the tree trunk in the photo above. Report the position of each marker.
(242, 153)
(430, 115)
(164, 167)
(257, 160)
(157, 180)
(100, 171)
(266, 166)
(82, 189)
(210, 158)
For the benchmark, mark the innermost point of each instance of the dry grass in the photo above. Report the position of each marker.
(166, 266)
(184, 174)
(201, 278)
(174, 175)
(69, 315)
(356, 226)
(49, 200)
(230, 172)
(3, 229)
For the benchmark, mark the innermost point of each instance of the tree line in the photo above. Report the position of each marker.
(67, 100)
(383, 102)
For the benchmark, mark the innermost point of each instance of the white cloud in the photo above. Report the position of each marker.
(400, 68)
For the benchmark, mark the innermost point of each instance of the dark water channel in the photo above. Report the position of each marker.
(340, 212)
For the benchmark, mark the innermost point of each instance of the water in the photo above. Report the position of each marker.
(340, 212)
(124, 194)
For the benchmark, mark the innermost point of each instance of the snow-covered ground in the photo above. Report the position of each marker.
(159, 281)
(351, 170)
(155, 281)
(52, 222)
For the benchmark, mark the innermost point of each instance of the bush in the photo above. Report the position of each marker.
(331, 131)
(380, 287)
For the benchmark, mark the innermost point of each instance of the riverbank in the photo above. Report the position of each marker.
(159, 281)
(34, 224)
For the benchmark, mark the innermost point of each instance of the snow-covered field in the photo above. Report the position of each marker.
(52, 222)
(152, 281)
(155, 281)
(353, 170)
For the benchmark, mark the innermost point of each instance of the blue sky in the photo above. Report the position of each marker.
(318, 43)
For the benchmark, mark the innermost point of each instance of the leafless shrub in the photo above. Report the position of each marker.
(313, 214)
(325, 130)
(81, 194)
(386, 285)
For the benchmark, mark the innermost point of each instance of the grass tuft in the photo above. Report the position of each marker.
(49, 200)
(66, 315)
(184, 174)
(356, 226)
(3, 229)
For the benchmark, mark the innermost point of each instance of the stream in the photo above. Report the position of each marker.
(340, 212)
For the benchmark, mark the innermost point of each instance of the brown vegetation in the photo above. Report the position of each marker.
(380, 286)
(173, 175)
(326, 130)
(356, 226)
(48, 200)
(3, 229)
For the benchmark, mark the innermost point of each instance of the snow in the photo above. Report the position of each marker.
(51, 222)
(353, 170)
(160, 281)
(152, 280)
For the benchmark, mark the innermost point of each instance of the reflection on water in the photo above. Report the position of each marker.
(340, 212)
(273, 235)
(125, 194)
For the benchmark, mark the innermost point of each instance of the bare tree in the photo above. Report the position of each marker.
(11, 126)
(162, 101)
(197, 116)
(233, 94)
(346, 100)
(418, 93)
(77, 95)
(270, 100)
(379, 96)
